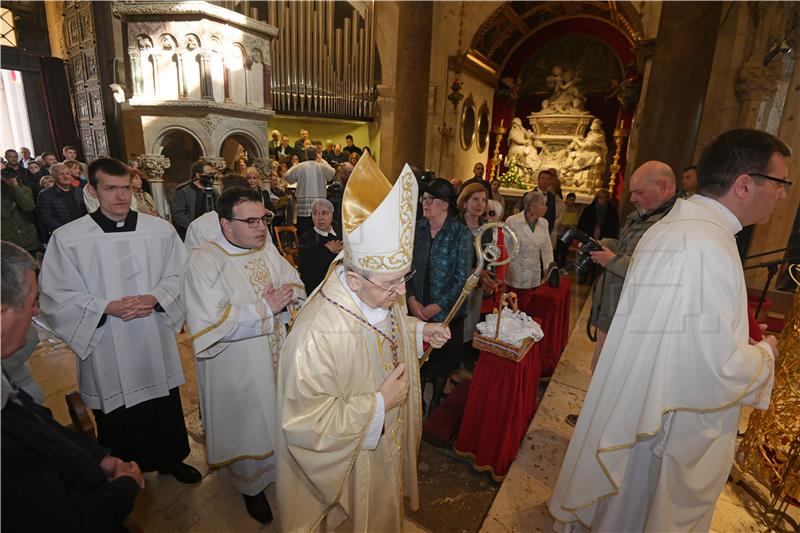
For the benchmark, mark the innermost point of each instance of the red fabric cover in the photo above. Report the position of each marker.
(551, 307)
(440, 428)
(500, 407)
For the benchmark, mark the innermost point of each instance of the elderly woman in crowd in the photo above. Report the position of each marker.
(535, 250)
(441, 261)
(144, 201)
(319, 245)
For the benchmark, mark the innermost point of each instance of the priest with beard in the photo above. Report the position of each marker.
(109, 288)
(654, 443)
(349, 416)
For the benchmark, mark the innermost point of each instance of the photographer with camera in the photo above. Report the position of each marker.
(652, 188)
(194, 197)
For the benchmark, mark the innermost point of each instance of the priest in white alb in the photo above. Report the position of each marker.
(236, 290)
(350, 413)
(109, 288)
(655, 439)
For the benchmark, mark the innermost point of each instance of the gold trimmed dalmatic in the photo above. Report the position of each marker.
(330, 370)
(236, 378)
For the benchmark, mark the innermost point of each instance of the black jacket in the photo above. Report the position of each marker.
(52, 480)
(315, 258)
(52, 211)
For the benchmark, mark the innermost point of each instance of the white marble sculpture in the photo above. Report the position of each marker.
(567, 96)
(523, 147)
(587, 156)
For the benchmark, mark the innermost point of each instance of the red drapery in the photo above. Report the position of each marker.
(500, 406)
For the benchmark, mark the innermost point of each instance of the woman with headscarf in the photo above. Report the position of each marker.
(535, 249)
(441, 261)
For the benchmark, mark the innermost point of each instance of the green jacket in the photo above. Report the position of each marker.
(607, 290)
(17, 217)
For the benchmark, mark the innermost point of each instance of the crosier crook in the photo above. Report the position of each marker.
(491, 256)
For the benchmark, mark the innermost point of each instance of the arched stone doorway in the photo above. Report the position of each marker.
(239, 146)
(182, 149)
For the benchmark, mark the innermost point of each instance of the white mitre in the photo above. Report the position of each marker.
(378, 218)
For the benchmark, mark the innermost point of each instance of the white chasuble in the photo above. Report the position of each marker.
(120, 363)
(236, 338)
(655, 439)
(332, 365)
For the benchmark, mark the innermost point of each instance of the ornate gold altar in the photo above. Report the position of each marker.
(770, 450)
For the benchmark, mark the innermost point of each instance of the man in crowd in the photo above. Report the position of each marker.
(688, 181)
(339, 156)
(544, 181)
(59, 204)
(14, 169)
(655, 440)
(477, 177)
(284, 150)
(53, 478)
(18, 221)
(70, 153)
(206, 227)
(299, 144)
(48, 160)
(311, 177)
(319, 245)
(236, 289)
(350, 148)
(349, 415)
(191, 198)
(274, 143)
(329, 154)
(25, 156)
(114, 300)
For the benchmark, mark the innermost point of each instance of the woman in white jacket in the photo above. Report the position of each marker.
(535, 251)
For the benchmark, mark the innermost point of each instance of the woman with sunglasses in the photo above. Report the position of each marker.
(442, 259)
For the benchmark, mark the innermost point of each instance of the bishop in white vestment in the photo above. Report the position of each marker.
(235, 290)
(655, 439)
(350, 410)
(109, 288)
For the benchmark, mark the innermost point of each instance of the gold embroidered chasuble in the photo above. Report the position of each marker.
(331, 368)
(236, 378)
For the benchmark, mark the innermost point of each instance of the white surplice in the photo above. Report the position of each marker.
(121, 363)
(655, 440)
(237, 339)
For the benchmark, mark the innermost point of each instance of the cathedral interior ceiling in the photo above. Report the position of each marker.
(512, 23)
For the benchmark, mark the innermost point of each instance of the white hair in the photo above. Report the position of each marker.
(16, 263)
(496, 206)
(532, 197)
(323, 202)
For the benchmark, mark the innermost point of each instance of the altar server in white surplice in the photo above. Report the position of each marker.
(655, 439)
(109, 287)
(236, 289)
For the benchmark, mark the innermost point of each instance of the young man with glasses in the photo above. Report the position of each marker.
(655, 440)
(349, 416)
(237, 291)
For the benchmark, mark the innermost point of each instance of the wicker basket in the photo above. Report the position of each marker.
(500, 348)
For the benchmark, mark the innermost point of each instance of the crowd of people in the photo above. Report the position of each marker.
(308, 377)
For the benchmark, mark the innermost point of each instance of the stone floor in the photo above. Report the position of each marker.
(454, 497)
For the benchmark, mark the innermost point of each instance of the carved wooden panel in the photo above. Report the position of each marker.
(82, 51)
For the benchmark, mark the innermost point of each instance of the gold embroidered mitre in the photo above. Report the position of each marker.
(378, 218)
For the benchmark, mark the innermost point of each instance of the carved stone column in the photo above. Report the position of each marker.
(137, 82)
(264, 166)
(755, 87)
(182, 92)
(219, 165)
(154, 166)
(206, 83)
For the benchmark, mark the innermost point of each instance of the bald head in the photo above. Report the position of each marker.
(651, 186)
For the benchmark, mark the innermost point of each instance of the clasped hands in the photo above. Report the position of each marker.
(278, 298)
(130, 307)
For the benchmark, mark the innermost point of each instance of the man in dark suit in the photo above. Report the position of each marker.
(318, 246)
(544, 180)
(189, 201)
(60, 204)
(53, 478)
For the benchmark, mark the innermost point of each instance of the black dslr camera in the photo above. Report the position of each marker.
(583, 262)
(207, 181)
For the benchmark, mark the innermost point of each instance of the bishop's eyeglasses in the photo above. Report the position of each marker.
(397, 284)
